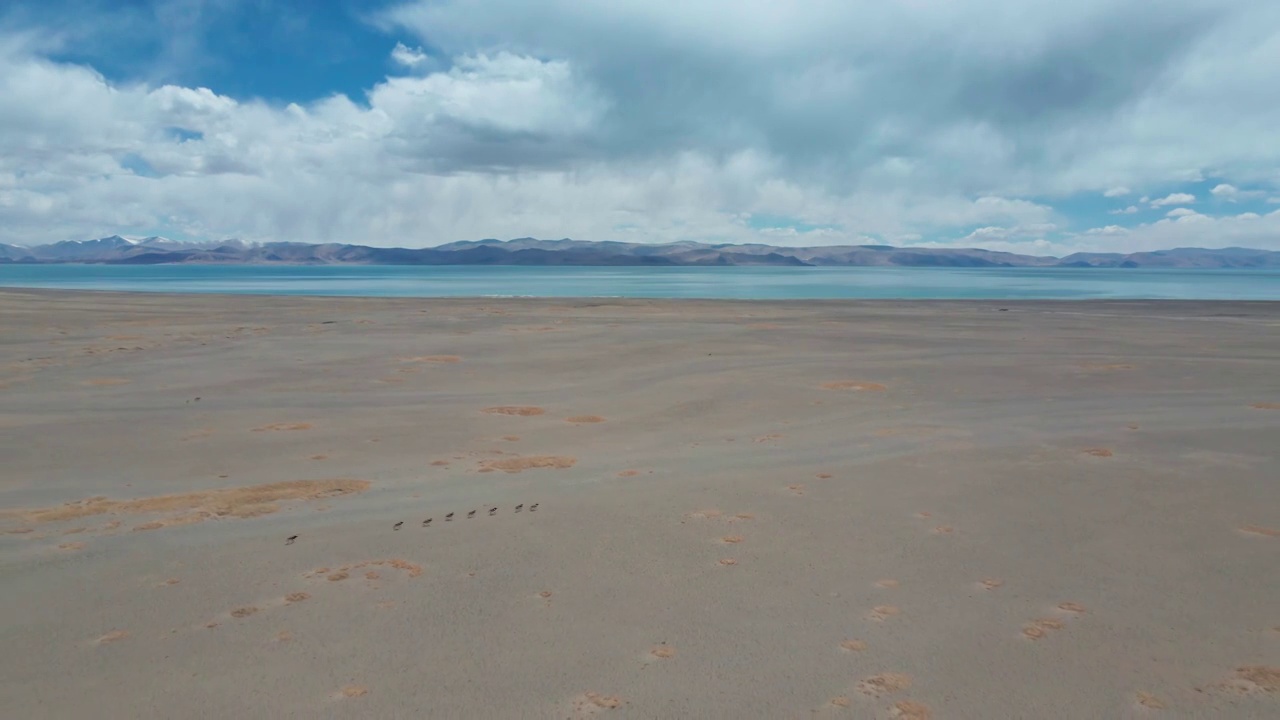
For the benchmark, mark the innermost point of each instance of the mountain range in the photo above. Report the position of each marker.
(117, 250)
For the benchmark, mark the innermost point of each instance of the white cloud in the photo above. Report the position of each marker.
(1174, 199)
(654, 120)
(1231, 193)
(411, 58)
(1109, 230)
(1180, 212)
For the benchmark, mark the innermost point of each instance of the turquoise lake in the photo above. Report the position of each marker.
(757, 283)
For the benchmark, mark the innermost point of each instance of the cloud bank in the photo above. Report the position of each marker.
(992, 123)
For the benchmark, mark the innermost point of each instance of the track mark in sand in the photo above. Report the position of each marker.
(853, 646)
(884, 684)
(887, 584)
(1105, 366)
(880, 613)
(244, 612)
(1072, 607)
(71, 546)
(1147, 700)
(1259, 530)
(342, 573)
(1265, 406)
(241, 502)
(113, 636)
(1098, 452)
(529, 462)
(516, 410)
(728, 561)
(854, 385)
(589, 703)
(105, 382)
(432, 359)
(295, 597)
(768, 438)
(282, 427)
(584, 419)
(991, 583)
(910, 710)
(19, 531)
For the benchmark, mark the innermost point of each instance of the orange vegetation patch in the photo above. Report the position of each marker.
(1266, 406)
(731, 539)
(824, 476)
(113, 636)
(439, 463)
(1071, 607)
(911, 710)
(71, 546)
(607, 702)
(584, 419)
(855, 386)
(853, 646)
(228, 502)
(1262, 677)
(1148, 700)
(728, 561)
(105, 382)
(511, 438)
(629, 473)
(521, 410)
(342, 573)
(883, 612)
(663, 652)
(279, 427)
(890, 682)
(244, 612)
(529, 462)
(992, 583)
(1259, 530)
(1037, 629)
(888, 584)
(1098, 452)
(432, 359)
(354, 691)
(296, 597)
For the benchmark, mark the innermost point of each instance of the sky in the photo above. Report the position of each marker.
(1040, 128)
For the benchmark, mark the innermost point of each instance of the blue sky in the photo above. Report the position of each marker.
(1102, 125)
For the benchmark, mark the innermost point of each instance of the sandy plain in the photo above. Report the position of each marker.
(215, 507)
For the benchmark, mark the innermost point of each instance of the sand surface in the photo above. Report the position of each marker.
(214, 507)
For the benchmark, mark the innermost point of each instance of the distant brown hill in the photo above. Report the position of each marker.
(531, 251)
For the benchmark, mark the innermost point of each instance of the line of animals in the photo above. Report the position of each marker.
(447, 518)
